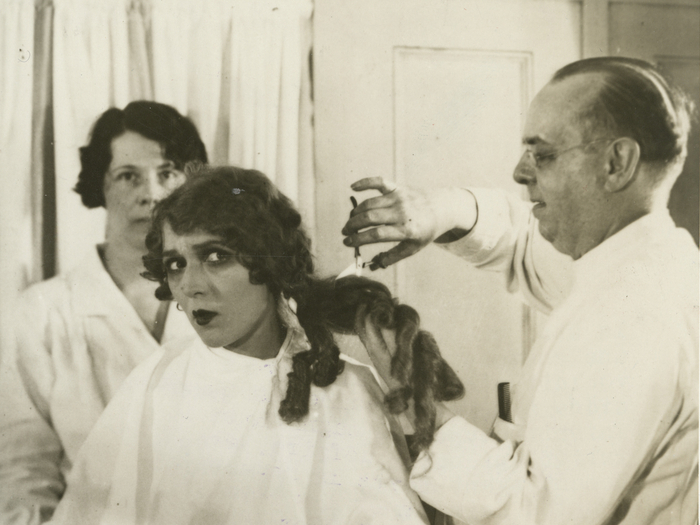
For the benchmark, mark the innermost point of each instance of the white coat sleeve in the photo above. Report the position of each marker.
(31, 482)
(506, 239)
(602, 409)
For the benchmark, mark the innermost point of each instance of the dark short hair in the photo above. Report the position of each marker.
(636, 101)
(176, 134)
(253, 218)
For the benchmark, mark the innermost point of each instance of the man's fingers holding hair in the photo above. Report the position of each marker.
(382, 201)
(373, 217)
(375, 235)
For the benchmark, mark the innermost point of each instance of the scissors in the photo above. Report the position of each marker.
(356, 267)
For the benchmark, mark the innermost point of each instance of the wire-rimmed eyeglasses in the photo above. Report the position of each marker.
(538, 158)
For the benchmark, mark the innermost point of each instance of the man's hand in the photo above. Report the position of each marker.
(381, 347)
(412, 218)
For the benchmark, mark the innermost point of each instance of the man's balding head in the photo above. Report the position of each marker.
(634, 100)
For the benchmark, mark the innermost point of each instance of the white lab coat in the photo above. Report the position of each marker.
(77, 339)
(605, 411)
(195, 438)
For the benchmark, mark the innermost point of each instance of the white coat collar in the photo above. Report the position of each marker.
(95, 294)
(612, 258)
(93, 290)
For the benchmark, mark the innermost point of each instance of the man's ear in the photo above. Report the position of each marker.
(622, 162)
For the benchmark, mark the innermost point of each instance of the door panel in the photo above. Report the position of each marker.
(435, 93)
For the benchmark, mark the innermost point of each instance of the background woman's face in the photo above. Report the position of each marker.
(136, 179)
(215, 291)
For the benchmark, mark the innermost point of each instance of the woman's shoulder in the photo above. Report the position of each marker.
(82, 285)
(51, 292)
(170, 354)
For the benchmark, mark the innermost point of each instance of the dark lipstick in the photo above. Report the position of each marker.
(203, 317)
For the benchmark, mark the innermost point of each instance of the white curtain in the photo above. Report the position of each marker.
(17, 236)
(238, 68)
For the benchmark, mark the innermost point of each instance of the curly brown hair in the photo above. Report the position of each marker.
(261, 225)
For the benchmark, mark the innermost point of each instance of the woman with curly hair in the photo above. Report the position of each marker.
(261, 419)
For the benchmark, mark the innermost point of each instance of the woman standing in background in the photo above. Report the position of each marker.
(79, 335)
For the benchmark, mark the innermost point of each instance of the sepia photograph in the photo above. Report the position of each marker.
(349, 262)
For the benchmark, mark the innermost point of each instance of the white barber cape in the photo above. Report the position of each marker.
(77, 339)
(605, 411)
(195, 438)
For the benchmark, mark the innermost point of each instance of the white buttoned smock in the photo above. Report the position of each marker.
(77, 339)
(195, 438)
(605, 410)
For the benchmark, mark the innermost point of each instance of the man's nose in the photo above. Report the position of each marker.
(524, 172)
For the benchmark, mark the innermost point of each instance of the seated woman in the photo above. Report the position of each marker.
(258, 420)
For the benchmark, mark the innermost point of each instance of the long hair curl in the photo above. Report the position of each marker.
(261, 225)
(343, 306)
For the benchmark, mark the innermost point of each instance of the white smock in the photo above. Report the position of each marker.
(605, 411)
(195, 437)
(77, 339)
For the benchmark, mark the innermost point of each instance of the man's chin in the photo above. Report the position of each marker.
(549, 236)
(546, 232)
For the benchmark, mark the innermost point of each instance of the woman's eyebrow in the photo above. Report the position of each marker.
(123, 166)
(210, 244)
(170, 253)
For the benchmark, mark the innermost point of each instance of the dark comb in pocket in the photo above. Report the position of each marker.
(504, 402)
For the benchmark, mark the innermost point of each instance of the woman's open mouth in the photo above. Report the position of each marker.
(203, 317)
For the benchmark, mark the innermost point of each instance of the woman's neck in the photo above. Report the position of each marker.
(123, 253)
(264, 338)
(122, 258)
(123, 262)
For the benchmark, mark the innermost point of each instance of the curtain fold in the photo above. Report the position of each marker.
(238, 68)
(43, 163)
(92, 72)
(17, 235)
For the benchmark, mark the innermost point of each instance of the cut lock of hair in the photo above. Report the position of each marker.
(344, 306)
(252, 216)
(638, 102)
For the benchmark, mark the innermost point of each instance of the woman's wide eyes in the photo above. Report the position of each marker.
(216, 257)
(212, 258)
(174, 265)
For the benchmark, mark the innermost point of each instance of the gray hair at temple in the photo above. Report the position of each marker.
(638, 102)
